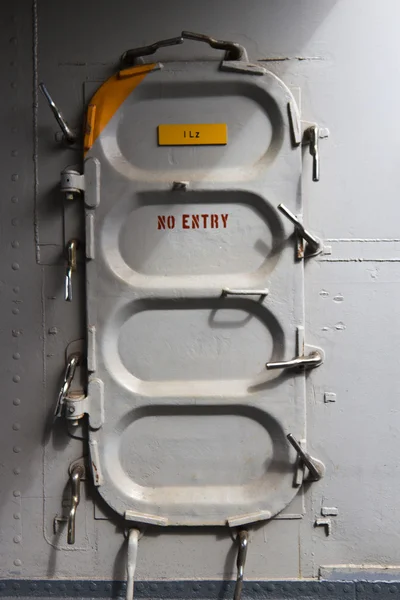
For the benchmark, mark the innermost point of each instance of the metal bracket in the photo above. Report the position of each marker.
(233, 50)
(326, 512)
(239, 292)
(295, 122)
(314, 244)
(327, 523)
(242, 66)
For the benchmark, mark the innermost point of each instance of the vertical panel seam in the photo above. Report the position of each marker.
(35, 105)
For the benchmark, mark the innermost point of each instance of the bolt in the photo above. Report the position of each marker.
(71, 410)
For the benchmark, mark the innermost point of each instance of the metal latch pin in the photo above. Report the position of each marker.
(314, 243)
(243, 542)
(71, 266)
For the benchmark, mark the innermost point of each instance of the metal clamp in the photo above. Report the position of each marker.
(243, 542)
(69, 374)
(312, 138)
(314, 244)
(233, 50)
(316, 468)
(68, 134)
(71, 266)
(76, 475)
(314, 359)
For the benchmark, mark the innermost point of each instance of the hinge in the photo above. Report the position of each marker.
(72, 183)
(76, 406)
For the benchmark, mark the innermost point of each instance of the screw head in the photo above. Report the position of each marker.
(71, 410)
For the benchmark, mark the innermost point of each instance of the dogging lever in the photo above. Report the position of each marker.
(76, 476)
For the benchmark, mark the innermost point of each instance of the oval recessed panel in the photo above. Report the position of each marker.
(178, 447)
(253, 118)
(198, 233)
(203, 340)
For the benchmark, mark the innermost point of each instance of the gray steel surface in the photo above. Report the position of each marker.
(342, 55)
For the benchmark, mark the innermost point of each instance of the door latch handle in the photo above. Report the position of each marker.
(316, 468)
(129, 57)
(314, 359)
(69, 374)
(76, 476)
(312, 138)
(314, 244)
(243, 542)
(71, 266)
(233, 50)
(68, 134)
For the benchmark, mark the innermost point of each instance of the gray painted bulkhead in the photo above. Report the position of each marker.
(342, 55)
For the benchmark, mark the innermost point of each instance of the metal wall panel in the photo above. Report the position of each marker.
(345, 74)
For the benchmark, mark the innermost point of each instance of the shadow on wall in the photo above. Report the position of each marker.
(267, 28)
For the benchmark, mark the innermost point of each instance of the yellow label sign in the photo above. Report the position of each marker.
(199, 134)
